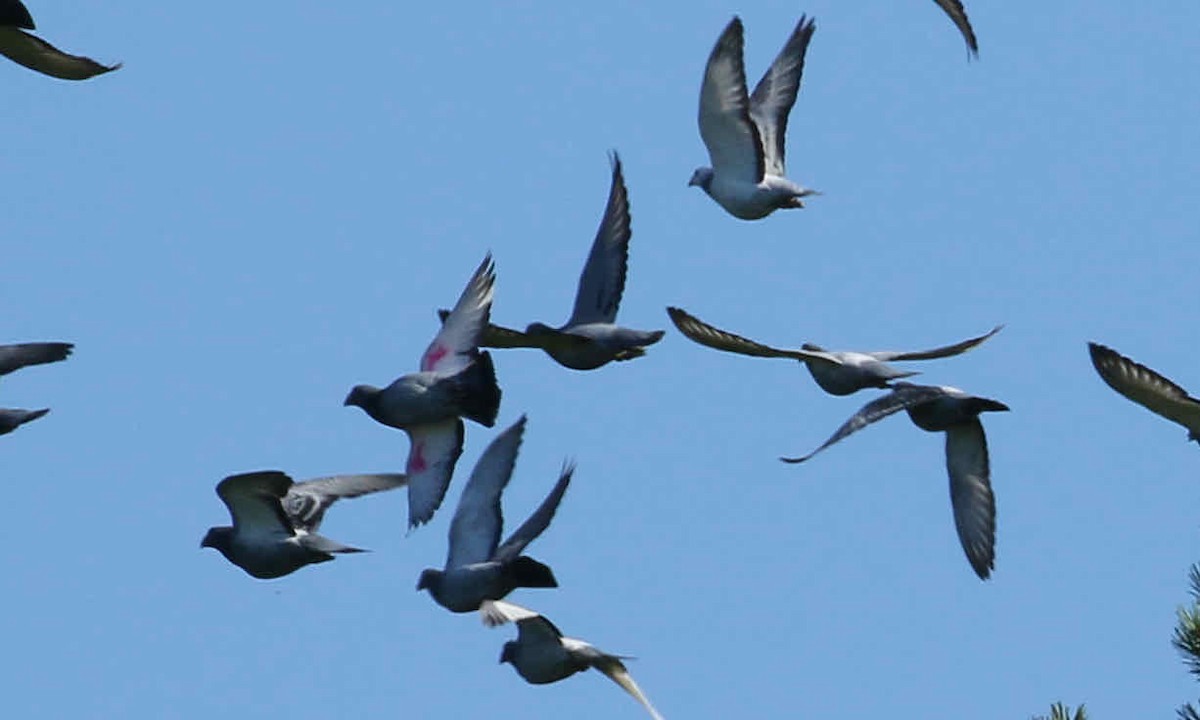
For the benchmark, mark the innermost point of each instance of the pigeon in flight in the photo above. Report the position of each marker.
(15, 357)
(838, 373)
(478, 567)
(541, 654)
(744, 133)
(275, 521)
(37, 54)
(957, 13)
(455, 380)
(1147, 388)
(590, 338)
(953, 411)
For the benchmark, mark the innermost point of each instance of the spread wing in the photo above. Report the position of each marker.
(709, 336)
(15, 357)
(935, 353)
(495, 336)
(457, 343)
(957, 13)
(1146, 387)
(537, 523)
(37, 54)
(14, 13)
(306, 502)
(725, 125)
(775, 95)
(254, 503)
(971, 494)
(902, 397)
(603, 278)
(498, 612)
(612, 667)
(475, 530)
(431, 459)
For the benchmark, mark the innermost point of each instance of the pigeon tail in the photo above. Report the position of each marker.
(527, 572)
(476, 390)
(320, 543)
(978, 405)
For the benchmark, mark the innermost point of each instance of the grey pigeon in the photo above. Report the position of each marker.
(455, 380)
(14, 357)
(541, 654)
(13, 418)
(957, 13)
(590, 338)
(1147, 388)
(479, 567)
(838, 373)
(744, 133)
(953, 411)
(37, 54)
(275, 521)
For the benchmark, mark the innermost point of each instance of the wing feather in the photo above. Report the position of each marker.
(602, 281)
(728, 132)
(475, 530)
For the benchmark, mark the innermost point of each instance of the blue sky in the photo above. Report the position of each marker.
(266, 206)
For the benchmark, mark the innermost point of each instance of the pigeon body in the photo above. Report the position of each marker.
(455, 380)
(590, 338)
(837, 373)
(1147, 388)
(478, 567)
(542, 655)
(745, 133)
(958, 14)
(35, 53)
(949, 410)
(275, 521)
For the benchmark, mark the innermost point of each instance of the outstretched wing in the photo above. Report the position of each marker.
(475, 530)
(37, 54)
(602, 281)
(971, 494)
(935, 353)
(699, 331)
(435, 450)
(725, 125)
(15, 357)
(306, 502)
(775, 95)
(457, 343)
(254, 502)
(903, 396)
(957, 13)
(612, 667)
(1146, 387)
(537, 523)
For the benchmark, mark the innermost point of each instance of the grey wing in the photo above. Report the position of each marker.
(536, 523)
(602, 281)
(254, 501)
(1146, 387)
(37, 54)
(14, 13)
(725, 125)
(902, 397)
(971, 494)
(475, 530)
(709, 336)
(435, 450)
(935, 353)
(495, 336)
(957, 13)
(613, 668)
(15, 357)
(306, 502)
(775, 95)
(457, 342)
(536, 630)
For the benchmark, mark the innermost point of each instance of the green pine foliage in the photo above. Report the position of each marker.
(1187, 638)
(1059, 711)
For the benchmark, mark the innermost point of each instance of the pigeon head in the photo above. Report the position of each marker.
(361, 396)
(509, 652)
(702, 177)
(219, 538)
(429, 579)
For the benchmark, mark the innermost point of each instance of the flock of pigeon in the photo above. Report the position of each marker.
(276, 521)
